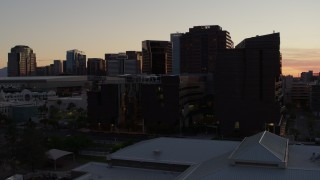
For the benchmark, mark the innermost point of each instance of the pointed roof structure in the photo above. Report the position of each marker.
(262, 149)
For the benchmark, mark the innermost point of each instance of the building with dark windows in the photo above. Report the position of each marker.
(21, 61)
(96, 67)
(248, 86)
(76, 62)
(315, 99)
(57, 67)
(175, 40)
(140, 103)
(157, 57)
(199, 48)
(123, 63)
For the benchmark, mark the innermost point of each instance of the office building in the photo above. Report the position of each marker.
(21, 61)
(123, 63)
(76, 62)
(64, 66)
(248, 85)
(57, 68)
(144, 103)
(157, 57)
(315, 99)
(175, 40)
(96, 67)
(306, 76)
(199, 48)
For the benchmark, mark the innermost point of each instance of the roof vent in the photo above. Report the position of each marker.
(156, 152)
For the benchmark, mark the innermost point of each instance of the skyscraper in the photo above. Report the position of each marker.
(248, 85)
(124, 63)
(175, 40)
(156, 57)
(76, 62)
(96, 67)
(199, 48)
(57, 68)
(21, 61)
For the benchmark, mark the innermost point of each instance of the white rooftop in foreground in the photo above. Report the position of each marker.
(175, 150)
(101, 171)
(208, 159)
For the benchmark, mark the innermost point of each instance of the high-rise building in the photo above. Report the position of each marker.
(123, 63)
(199, 48)
(306, 76)
(156, 57)
(64, 66)
(248, 86)
(21, 61)
(76, 62)
(175, 40)
(96, 67)
(57, 68)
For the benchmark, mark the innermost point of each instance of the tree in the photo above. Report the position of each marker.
(31, 147)
(71, 106)
(43, 110)
(76, 143)
(9, 149)
(59, 102)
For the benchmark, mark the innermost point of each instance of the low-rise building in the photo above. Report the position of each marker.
(262, 156)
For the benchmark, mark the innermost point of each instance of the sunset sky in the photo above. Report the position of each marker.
(110, 26)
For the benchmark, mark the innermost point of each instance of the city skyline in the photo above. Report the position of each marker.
(52, 28)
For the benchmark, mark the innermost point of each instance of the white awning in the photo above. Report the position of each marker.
(56, 153)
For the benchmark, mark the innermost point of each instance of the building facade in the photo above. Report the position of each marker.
(248, 85)
(123, 63)
(21, 61)
(76, 62)
(57, 68)
(199, 48)
(175, 40)
(96, 67)
(136, 103)
(157, 57)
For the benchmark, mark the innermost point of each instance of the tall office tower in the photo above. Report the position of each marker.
(248, 86)
(123, 63)
(21, 61)
(64, 66)
(156, 57)
(57, 68)
(175, 40)
(96, 67)
(199, 48)
(76, 62)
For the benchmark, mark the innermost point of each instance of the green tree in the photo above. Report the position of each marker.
(71, 106)
(9, 149)
(31, 150)
(59, 102)
(76, 143)
(43, 110)
(54, 113)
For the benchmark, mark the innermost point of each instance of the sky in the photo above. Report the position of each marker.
(51, 27)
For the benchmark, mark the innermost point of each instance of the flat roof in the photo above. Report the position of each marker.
(300, 157)
(42, 78)
(101, 171)
(175, 150)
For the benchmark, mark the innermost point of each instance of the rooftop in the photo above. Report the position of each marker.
(263, 148)
(209, 159)
(102, 171)
(175, 150)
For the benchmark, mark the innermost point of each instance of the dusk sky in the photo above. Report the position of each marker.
(97, 27)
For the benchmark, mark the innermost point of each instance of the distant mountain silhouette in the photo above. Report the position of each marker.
(3, 72)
